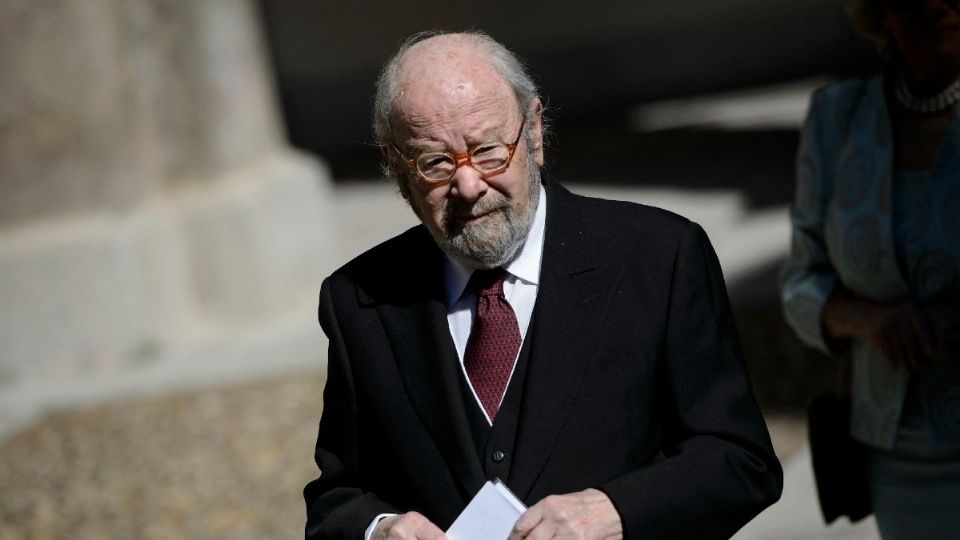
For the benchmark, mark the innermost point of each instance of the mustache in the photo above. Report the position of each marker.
(459, 210)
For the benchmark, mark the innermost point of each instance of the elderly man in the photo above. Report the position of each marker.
(581, 350)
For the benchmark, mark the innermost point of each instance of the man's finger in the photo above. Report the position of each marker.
(545, 530)
(409, 525)
(526, 522)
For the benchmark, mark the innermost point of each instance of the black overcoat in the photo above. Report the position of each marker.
(634, 383)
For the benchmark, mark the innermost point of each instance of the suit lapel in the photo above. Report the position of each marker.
(572, 301)
(416, 325)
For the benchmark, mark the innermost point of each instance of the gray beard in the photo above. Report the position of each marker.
(495, 240)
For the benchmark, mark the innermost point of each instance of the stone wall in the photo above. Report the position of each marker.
(148, 199)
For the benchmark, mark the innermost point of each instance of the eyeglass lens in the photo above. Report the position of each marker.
(486, 158)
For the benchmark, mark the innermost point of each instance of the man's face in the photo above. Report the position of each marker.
(451, 101)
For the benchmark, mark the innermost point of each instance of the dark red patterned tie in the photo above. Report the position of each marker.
(494, 340)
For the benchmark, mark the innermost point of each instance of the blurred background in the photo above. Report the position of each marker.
(177, 177)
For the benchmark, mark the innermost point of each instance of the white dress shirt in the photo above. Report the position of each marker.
(520, 287)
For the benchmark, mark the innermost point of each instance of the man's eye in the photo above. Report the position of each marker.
(434, 161)
(481, 151)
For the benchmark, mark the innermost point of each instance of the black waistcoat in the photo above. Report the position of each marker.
(495, 444)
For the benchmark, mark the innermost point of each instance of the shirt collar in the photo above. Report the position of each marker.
(525, 265)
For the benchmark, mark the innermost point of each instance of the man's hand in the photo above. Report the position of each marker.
(409, 526)
(586, 514)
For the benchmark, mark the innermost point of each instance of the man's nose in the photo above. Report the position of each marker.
(467, 183)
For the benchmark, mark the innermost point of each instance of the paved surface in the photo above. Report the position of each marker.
(229, 462)
(217, 442)
(220, 463)
(797, 515)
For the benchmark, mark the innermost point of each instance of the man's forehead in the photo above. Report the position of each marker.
(446, 72)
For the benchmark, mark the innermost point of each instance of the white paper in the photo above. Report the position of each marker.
(489, 516)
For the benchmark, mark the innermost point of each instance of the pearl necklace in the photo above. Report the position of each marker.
(928, 105)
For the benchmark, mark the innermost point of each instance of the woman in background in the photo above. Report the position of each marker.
(874, 267)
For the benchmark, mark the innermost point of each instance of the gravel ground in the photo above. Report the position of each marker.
(221, 463)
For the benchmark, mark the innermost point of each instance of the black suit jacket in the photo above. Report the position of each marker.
(634, 384)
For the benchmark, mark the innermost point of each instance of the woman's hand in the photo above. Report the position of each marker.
(945, 318)
(904, 333)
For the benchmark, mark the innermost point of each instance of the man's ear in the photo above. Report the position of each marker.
(401, 178)
(536, 130)
(394, 171)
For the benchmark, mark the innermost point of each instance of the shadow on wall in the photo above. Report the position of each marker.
(592, 64)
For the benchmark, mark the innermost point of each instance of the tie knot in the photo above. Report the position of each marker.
(488, 282)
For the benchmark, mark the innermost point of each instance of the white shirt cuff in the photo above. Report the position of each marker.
(373, 525)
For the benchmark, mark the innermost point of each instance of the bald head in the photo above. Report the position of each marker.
(436, 69)
(445, 78)
(445, 57)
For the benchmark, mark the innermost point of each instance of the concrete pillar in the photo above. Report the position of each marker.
(147, 197)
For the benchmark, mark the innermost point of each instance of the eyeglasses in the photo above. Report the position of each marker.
(487, 159)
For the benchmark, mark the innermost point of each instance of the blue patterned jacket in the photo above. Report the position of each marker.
(843, 233)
